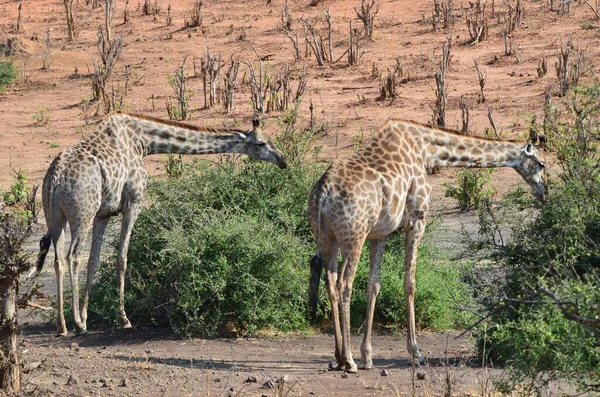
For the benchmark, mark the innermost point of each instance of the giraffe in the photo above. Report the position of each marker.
(383, 188)
(103, 175)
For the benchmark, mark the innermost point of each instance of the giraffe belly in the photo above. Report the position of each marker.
(390, 216)
(384, 227)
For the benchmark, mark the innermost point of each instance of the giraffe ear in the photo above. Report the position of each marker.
(529, 149)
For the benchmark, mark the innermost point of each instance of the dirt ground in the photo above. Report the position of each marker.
(345, 102)
(150, 362)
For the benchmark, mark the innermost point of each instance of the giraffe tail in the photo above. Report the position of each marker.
(316, 265)
(44, 247)
(46, 241)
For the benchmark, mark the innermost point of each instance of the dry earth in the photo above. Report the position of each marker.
(345, 102)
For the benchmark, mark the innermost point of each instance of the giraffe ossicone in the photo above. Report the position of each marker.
(380, 189)
(103, 175)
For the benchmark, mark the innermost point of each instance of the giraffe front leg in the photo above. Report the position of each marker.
(129, 218)
(373, 286)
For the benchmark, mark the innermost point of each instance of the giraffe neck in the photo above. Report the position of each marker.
(446, 149)
(159, 136)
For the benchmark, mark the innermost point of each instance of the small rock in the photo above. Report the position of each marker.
(385, 372)
(345, 375)
(333, 365)
(72, 381)
(217, 380)
(74, 346)
(125, 382)
(268, 384)
(250, 379)
(420, 375)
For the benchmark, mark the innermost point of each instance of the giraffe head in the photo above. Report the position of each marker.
(258, 146)
(531, 166)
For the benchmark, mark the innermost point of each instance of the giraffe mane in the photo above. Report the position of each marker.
(180, 124)
(450, 131)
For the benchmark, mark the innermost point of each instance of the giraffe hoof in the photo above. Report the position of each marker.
(367, 366)
(80, 331)
(123, 320)
(61, 334)
(419, 358)
(125, 324)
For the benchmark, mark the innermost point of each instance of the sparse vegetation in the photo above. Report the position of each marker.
(109, 49)
(210, 67)
(69, 17)
(230, 84)
(472, 188)
(8, 74)
(441, 92)
(477, 23)
(17, 194)
(195, 19)
(569, 67)
(177, 82)
(41, 116)
(367, 13)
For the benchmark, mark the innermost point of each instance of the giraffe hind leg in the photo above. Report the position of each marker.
(350, 257)
(56, 232)
(79, 232)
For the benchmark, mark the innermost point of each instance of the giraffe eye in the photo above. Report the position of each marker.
(261, 144)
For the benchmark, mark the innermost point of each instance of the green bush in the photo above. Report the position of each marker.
(18, 191)
(8, 74)
(546, 323)
(472, 188)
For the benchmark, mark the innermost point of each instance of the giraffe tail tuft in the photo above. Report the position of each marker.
(44, 247)
(316, 265)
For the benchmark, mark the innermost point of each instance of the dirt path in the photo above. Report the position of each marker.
(155, 363)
